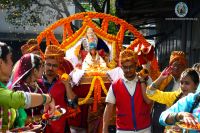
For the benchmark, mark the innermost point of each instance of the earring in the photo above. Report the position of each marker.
(35, 70)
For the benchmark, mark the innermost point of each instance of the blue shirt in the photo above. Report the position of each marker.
(183, 105)
(198, 89)
(47, 84)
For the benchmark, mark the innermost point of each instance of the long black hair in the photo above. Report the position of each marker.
(4, 51)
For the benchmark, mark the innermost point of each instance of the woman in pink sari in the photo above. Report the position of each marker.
(26, 78)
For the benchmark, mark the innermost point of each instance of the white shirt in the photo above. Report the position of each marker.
(115, 73)
(130, 85)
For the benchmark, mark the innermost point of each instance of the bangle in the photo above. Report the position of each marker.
(173, 115)
(175, 118)
(154, 85)
(44, 99)
(72, 103)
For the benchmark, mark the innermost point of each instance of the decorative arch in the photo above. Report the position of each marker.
(70, 38)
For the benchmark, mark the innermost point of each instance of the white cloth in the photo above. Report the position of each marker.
(88, 61)
(115, 73)
(76, 75)
(27, 99)
(130, 85)
(146, 130)
(70, 55)
(77, 130)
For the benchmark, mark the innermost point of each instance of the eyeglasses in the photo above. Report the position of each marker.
(51, 65)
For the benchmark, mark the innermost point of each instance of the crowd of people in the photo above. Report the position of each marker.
(34, 85)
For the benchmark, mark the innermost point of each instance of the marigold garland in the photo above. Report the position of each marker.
(133, 44)
(102, 85)
(120, 35)
(155, 70)
(53, 39)
(70, 38)
(104, 25)
(115, 51)
(47, 41)
(96, 87)
(89, 93)
(65, 27)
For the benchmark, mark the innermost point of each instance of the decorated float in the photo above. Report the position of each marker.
(91, 85)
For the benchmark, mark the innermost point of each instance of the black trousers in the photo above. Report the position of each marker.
(157, 110)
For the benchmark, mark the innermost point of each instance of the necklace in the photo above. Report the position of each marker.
(35, 87)
(35, 91)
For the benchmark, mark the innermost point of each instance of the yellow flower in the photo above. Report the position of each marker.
(84, 101)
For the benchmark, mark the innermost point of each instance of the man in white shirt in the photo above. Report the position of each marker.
(133, 108)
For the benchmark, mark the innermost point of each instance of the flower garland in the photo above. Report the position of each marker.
(87, 20)
(53, 39)
(96, 86)
(155, 70)
(115, 54)
(89, 93)
(70, 38)
(65, 27)
(120, 35)
(104, 25)
(133, 44)
(102, 85)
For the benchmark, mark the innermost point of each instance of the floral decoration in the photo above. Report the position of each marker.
(69, 38)
(97, 85)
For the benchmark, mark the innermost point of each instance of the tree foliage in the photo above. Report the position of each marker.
(44, 12)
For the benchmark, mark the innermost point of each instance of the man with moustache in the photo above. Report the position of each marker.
(127, 96)
(59, 89)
